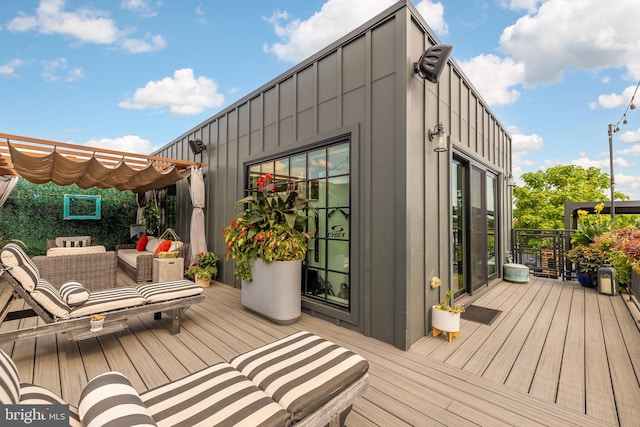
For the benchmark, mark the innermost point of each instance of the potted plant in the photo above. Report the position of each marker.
(446, 318)
(268, 242)
(97, 322)
(204, 269)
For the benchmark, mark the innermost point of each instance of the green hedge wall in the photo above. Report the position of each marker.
(33, 213)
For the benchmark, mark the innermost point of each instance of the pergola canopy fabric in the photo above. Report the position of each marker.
(66, 164)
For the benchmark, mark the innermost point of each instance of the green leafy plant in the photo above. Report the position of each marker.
(446, 304)
(206, 266)
(271, 227)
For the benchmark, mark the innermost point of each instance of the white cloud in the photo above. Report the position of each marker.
(56, 70)
(564, 35)
(630, 137)
(139, 7)
(85, 24)
(183, 93)
(127, 143)
(614, 100)
(149, 44)
(9, 69)
(528, 5)
(494, 77)
(521, 143)
(300, 39)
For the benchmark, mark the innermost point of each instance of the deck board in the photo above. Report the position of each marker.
(540, 337)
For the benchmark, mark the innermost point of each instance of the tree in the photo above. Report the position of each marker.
(539, 204)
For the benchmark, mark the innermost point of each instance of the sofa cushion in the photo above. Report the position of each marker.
(108, 299)
(130, 256)
(9, 381)
(164, 291)
(50, 299)
(73, 241)
(110, 399)
(57, 251)
(142, 243)
(163, 247)
(21, 267)
(152, 244)
(301, 372)
(216, 395)
(74, 293)
(175, 245)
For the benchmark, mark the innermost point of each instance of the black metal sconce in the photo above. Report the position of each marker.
(197, 146)
(437, 133)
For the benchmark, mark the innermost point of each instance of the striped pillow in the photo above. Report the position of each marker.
(74, 293)
(35, 395)
(216, 395)
(20, 266)
(156, 292)
(110, 399)
(49, 298)
(302, 372)
(9, 381)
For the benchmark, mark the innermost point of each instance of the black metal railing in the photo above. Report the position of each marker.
(543, 251)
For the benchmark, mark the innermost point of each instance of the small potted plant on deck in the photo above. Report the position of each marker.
(268, 242)
(204, 269)
(446, 318)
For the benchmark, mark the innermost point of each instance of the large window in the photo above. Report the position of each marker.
(323, 176)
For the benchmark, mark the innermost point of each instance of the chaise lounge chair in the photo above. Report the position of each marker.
(70, 308)
(301, 380)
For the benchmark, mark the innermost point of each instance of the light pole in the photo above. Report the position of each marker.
(613, 181)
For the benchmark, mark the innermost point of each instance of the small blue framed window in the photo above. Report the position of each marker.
(82, 207)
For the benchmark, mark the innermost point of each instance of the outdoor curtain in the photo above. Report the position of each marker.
(86, 173)
(7, 184)
(198, 241)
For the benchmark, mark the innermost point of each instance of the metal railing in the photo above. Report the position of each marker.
(543, 251)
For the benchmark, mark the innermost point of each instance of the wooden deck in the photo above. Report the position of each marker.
(558, 355)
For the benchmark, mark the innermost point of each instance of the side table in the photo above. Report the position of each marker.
(167, 269)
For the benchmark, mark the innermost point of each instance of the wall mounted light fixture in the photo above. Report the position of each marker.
(431, 63)
(437, 133)
(197, 146)
(510, 182)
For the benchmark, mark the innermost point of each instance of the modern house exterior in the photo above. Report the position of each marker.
(352, 126)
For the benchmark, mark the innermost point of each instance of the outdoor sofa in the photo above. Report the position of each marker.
(70, 308)
(301, 380)
(136, 259)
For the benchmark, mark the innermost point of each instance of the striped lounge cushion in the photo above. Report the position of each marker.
(216, 395)
(164, 291)
(20, 266)
(35, 395)
(50, 299)
(9, 381)
(302, 372)
(110, 399)
(108, 299)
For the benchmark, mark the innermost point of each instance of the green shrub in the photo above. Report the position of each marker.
(33, 213)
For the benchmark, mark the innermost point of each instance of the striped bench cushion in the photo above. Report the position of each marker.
(21, 267)
(50, 299)
(164, 291)
(74, 293)
(110, 399)
(217, 395)
(9, 381)
(108, 299)
(302, 371)
(35, 395)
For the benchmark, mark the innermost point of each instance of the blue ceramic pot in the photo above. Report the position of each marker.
(588, 280)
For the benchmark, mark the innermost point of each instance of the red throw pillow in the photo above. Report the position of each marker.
(164, 246)
(142, 243)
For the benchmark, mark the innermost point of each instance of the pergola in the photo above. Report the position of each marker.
(41, 161)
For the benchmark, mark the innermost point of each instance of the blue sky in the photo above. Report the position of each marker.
(134, 74)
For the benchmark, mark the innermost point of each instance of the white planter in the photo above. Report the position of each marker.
(204, 282)
(445, 321)
(274, 292)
